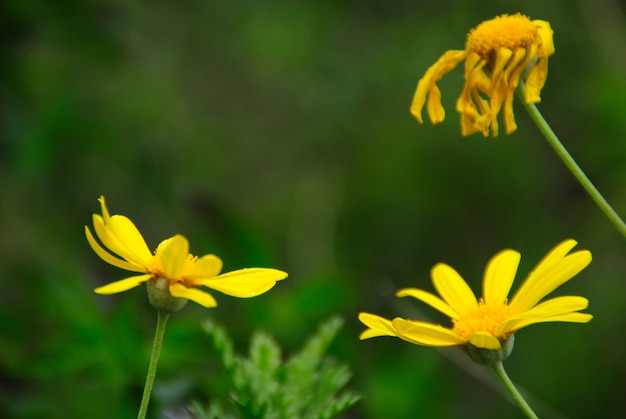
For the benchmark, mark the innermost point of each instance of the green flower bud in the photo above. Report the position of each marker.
(490, 356)
(160, 297)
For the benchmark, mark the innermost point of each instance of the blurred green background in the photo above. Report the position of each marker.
(277, 134)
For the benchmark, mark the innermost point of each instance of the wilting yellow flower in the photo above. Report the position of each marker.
(498, 53)
(171, 268)
(487, 323)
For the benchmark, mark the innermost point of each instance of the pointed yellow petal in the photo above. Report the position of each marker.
(173, 256)
(430, 299)
(203, 298)
(548, 309)
(122, 285)
(112, 242)
(130, 238)
(378, 326)
(109, 258)
(207, 266)
(484, 340)
(426, 334)
(499, 276)
(539, 285)
(103, 207)
(554, 255)
(427, 86)
(453, 289)
(245, 283)
(569, 318)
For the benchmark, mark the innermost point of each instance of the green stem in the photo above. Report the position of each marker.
(499, 369)
(569, 161)
(154, 360)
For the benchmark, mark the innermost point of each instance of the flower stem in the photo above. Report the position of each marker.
(162, 317)
(569, 161)
(499, 369)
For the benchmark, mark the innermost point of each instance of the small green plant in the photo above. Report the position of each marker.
(306, 386)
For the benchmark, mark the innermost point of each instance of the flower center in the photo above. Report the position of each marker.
(486, 318)
(511, 32)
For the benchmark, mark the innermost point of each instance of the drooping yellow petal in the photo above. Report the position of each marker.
(174, 256)
(207, 266)
(430, 299)
(546, 33)
(499, 276)
(426, 334)
(453, 289)
(535, 81)
(484, 340)
(203, 298)
(245, 283)
(109, 258)
(122, 285)
(499, 91)
(538, 286)
(378, 326)
(427, 86)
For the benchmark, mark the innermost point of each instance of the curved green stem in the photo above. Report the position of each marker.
(499, 369)
(154, 360)
(569, 161)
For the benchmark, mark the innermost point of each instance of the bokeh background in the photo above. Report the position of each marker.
(277, 134)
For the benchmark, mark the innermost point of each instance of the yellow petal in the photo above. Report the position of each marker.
(499, 276)
(569, 318)
(109, 258)
(245, 283)
(552, 308)
(206, 267)
(509, 117)
(130, 238)
(122, 285)
(554, 255)
(535, 81)
(203, 298)
(378, 326)
(484, 340)
(427, 85)
(112, 242)
(539, 285)
(453, 289)
(426, 334)
(103, 207)
(430, 299)
(173, 254)
(546, 33)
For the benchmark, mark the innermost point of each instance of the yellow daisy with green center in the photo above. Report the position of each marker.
(498, 54)
(173, 274)
(488, 323)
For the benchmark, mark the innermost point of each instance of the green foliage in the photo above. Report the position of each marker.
(307, 386)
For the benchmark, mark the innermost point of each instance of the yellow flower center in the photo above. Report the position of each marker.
(511, 32)
(486, 318)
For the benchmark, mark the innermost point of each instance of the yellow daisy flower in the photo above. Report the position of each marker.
(488, 323)
(171, 271)
(498, 53)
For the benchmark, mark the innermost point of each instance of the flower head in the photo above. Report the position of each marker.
(498, 54)
(173, 274)
(489, 322)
